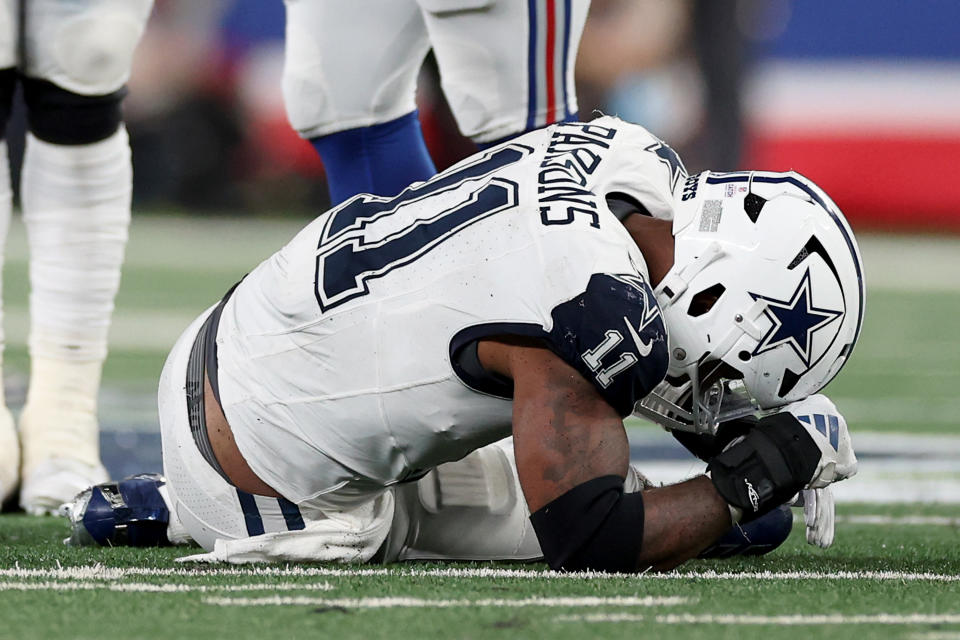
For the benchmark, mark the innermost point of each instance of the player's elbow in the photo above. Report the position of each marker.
(593, 527)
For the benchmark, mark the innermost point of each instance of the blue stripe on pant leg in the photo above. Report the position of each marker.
(251, 514)
(531, 63)
(291, 513)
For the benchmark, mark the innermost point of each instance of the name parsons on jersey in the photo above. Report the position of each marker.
(572, 156)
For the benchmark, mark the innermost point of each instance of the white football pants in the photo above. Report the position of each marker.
(506, 66)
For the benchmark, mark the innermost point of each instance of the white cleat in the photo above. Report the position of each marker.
(56, 481)
(9, 455)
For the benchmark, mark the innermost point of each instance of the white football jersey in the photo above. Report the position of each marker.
(355, 344)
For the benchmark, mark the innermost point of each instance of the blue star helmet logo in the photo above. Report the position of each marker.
(794, 321)
(669, 157)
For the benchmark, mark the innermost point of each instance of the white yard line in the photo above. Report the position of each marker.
(97, 572)
(805, 619)
(144, 587)
(783, 620)
(429, 603)
(878, 480)
(900, 520)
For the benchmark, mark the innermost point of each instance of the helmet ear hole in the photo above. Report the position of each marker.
(703, 301)
(788, 382)
(752, 205)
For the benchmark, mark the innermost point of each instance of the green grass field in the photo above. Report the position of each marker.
(893, 572)
(896, 578)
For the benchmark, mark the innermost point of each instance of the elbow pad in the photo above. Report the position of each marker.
(766, 467)
(593, 527)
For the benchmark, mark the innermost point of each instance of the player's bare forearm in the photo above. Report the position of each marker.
(680, 521)
(565, 435)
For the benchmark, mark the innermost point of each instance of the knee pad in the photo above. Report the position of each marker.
(86, 47)
(8, 82)
(471, 509)
(483, 480)
(58, 116)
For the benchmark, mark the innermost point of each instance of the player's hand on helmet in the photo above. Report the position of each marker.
(805, 445)
(828, 429)
(818, 515)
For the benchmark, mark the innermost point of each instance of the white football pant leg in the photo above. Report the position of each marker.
(76, 207)
(350, 64)
(221, 519)
(471, 509)
(84, 47)
(9, 18)
(9, 444)
(506, 66)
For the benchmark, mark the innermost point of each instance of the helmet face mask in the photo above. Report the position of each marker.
(699, 405)
(766, 288)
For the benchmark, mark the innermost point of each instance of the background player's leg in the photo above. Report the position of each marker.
(349, 84)
(506, 67)
(381, 159)
(75, 189)
(9, 445)
(76, 207)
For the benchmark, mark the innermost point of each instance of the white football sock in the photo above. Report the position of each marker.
(9, 445)
(76, 202)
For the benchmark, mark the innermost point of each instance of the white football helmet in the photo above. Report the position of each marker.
(764, 302)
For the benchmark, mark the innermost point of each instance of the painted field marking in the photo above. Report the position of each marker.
(99, 572)
(898, 520)
(144, 587)
(428, 603)
(784, 620)
(804, 619)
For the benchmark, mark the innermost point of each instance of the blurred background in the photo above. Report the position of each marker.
(861, 96)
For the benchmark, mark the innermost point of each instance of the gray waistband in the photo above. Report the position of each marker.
(195, 402)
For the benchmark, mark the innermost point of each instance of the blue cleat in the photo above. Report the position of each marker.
(756, 538)
(130, 512)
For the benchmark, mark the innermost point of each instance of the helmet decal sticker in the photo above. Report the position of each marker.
(794, 321)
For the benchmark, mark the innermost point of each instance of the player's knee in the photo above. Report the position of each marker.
(485, 480)
(59, 116)
(471, 509)
(92, 53)
(8, 82)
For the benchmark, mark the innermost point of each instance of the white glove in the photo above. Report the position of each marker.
(818, 515)
(829, 430)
